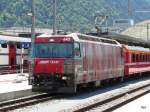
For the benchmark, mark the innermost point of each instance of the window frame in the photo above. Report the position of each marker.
(77, 50)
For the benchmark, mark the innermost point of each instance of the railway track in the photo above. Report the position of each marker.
(112, 100)
(115, 101)
(25, 101)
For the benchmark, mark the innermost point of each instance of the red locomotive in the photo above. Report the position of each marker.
(62, 63)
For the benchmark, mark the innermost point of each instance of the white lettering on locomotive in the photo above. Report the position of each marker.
(44, 62)
(53, 62)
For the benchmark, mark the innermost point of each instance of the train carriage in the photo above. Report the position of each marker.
(61, 63)
(136, 60)
(11, 52)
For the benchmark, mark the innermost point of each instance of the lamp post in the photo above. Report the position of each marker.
(33, 21)
(32, 14)
(54, 17)
(147, 32)
(129, 9)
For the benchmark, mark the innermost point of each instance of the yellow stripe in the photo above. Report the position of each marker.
(138, 52)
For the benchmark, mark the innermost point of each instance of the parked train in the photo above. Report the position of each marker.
(62, 63)
(11, 52)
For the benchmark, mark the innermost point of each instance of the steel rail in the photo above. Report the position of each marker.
(25, 101)
(116, 101)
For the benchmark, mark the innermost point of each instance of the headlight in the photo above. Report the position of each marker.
(65, 78)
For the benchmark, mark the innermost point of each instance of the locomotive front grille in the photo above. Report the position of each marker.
(50, 80)
(45, 79)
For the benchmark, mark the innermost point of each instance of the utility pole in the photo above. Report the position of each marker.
(32, 31)
(147, 32)
(129, 9)
(32, 14)
(54, 18)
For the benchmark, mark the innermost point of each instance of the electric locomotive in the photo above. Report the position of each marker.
(62, 63)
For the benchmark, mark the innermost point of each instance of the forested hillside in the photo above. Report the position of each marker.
(74, 15)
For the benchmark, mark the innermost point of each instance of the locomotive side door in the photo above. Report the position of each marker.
(78, 62)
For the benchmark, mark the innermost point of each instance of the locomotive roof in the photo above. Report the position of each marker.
(137, 48)
(14, 39)
(79, 37)
(83, 37)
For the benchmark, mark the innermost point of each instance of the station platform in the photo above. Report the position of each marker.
(14, 86)
(13, 82)
(139, 105)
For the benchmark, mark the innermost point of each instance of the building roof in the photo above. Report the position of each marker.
(124, 39)
(14, 39)
(140, 30)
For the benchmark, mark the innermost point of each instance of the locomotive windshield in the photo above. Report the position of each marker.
(53, 50)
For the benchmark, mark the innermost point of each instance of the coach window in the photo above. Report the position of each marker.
(77, 50)
(143, 57)
(18, 46)
(140, 57)
(147, 57)
(25, 48)
(137, 58)
(133, 57)
(4, 45)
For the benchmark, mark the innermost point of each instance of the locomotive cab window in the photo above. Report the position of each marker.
(77, 53)
(53, 50)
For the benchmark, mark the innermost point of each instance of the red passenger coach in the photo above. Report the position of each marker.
(136, 60)
(11, 53)
(62, 63)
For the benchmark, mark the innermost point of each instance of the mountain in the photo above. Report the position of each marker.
(72, 15)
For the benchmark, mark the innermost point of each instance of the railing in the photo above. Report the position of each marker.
(13, 69)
